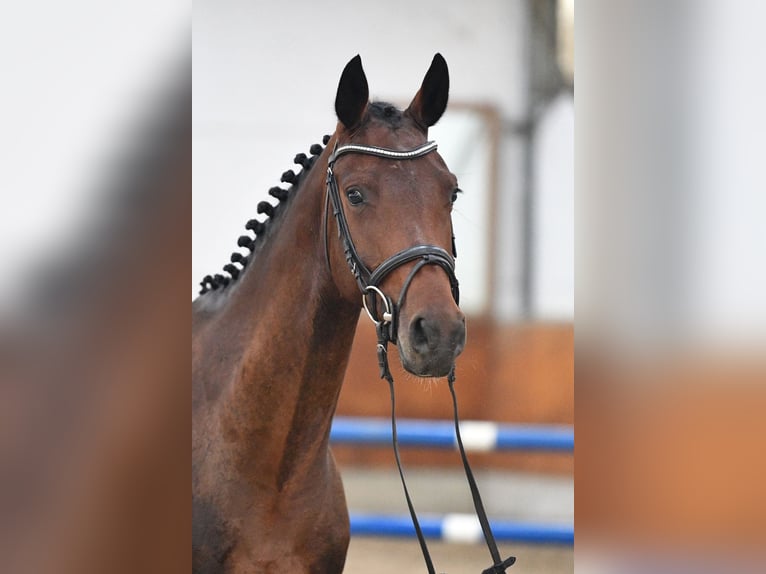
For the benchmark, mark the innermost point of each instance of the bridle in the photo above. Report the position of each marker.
(369, 282)
(386, 321)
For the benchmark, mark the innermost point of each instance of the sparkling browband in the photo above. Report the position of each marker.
(383, 152)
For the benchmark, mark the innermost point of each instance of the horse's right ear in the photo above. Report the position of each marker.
(351, 99)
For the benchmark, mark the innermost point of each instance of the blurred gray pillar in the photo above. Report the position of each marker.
(669, 173)
(516, 217)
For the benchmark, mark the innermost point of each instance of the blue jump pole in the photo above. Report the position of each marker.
(460, 528)
(477, 436)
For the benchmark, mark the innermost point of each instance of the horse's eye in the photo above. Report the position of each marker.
(454, 194)
(355, 196)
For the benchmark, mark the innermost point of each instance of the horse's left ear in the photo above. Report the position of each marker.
(431, 100)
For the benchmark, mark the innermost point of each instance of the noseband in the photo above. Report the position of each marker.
(386, 322)
(369, 281)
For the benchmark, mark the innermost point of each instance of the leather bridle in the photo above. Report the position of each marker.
(386, 321)
(369, 281)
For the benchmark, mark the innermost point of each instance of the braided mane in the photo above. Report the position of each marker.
(239, 261)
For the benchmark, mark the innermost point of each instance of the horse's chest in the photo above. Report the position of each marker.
(308, 540)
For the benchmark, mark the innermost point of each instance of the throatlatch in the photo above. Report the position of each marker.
(386, 325)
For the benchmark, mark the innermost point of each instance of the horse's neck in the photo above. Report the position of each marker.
(285, 335)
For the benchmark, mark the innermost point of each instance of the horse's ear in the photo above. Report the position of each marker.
(431, 100)
(351, 99)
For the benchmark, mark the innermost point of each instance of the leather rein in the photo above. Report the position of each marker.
(386, 322)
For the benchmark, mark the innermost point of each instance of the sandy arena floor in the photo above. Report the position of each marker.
(382, 556)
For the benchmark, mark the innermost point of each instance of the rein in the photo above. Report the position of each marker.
(386, 323)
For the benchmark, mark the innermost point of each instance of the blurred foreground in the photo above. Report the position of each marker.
(670, 356)
(94, 399)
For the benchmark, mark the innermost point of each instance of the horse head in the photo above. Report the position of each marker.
(393, 197)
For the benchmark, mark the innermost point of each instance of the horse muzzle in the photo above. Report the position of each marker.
(431, 341)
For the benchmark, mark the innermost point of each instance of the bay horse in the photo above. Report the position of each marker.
(271, 339)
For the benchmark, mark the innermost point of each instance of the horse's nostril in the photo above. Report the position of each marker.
(427, 335)
(433, 342)
(422, 334)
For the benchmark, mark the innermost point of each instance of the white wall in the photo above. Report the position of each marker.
(553, 212)
(77, 78)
